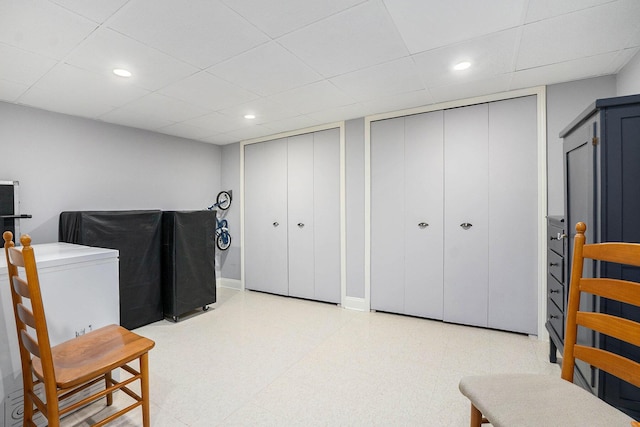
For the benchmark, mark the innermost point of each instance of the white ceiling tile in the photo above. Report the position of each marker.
(398, 102)
(164, 108)
(19, 66)
(382, 80)
(356, 38)
(585, 33)
(278, 17)
(220, 139)
(489, 55)
(249, 132)
(78, 89)
(96, 10)
(42, 27)
(135, 118)
(313, 97)
(205, 33)
(465, 90)
(291, 124)
(217, 123)
(544, 9)
(10, 91)
(208, 91)
(427, 25)
(277, 70)
(185, 131)
(107, 49)
(577, 69)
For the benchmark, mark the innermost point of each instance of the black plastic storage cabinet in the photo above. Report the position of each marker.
(188, 261)
(602, 189)
(137, 236)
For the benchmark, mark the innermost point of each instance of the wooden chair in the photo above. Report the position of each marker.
(543, 400)
(52, 374)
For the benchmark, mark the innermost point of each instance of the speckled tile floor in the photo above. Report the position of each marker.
(262, 360)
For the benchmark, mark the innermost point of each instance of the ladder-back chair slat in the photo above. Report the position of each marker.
(612, 363)
(615, 289)
(613, 326)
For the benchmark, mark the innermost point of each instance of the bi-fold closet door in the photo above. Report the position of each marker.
(454, 215)
(292, 216)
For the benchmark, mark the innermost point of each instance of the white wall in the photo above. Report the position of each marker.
(564, 102)
(67, 163)
(629, 78)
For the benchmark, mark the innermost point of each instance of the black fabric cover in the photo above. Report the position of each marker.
(137, 235)
(188, 261)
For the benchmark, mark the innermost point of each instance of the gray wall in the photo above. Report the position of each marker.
(66, 163)
(629, 77)
(229, 260)
(564, 102)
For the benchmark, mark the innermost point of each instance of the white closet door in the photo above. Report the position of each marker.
(301, 221)
(326, 210)
(387, 215)
(265, 237)
(423, 188)
(466, 215)
(513, 199)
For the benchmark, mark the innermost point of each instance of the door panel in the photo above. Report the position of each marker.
(513, 202)
(387, 220)
(301, 222)
(265, 205)
(326, 211)
(466, 202)
(423, 178)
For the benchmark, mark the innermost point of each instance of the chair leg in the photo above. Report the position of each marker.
(27, 406)
(144, 389)
(476, 417)
(108, 383)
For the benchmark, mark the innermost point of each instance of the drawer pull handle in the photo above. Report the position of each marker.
(423, 225)
(554, 291)
(553, 316)
(559, 236)
(554, 264)
(466, 225)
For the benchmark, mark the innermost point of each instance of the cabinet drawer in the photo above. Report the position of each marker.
(555, 318)
(556, 238)
(555, 291)
(556, 266)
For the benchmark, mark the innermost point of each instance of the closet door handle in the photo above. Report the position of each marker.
(300, 224)
(275, 224)
(423, 225)
(466, 225)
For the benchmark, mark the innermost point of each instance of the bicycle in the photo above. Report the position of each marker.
(223, 238)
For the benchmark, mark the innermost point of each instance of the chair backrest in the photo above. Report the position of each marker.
(613, 326)
(31, 323)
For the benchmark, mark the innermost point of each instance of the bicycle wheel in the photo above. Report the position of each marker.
(223, 200)
(223, 242)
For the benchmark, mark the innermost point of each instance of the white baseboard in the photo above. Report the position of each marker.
(229, 283)
(353, 303)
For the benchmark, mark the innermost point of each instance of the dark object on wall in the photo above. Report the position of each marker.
(137, 235)
(602, 189)
(188, 261)
(9, 208)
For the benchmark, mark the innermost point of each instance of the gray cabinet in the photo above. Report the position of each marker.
(601, 157)
(470, 173)
(292, 216)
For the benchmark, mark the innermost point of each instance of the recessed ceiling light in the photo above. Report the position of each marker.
(462, 65)
(121, 72)
(249, 116)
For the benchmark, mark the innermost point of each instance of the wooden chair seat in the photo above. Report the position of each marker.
(101, 351)
(543, 400)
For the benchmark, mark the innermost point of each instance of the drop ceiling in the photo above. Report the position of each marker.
(199, 66)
